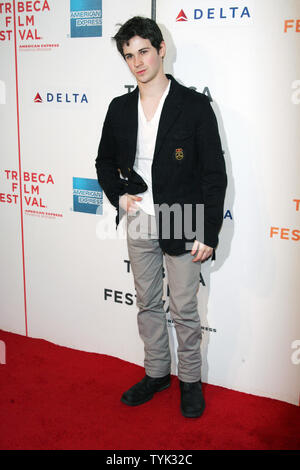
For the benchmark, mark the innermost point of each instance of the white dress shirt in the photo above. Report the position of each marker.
(146, 139)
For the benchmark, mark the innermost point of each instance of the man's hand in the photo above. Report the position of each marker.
(203, 251)
(127, 203)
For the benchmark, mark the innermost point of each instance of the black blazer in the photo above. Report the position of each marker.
(188, 165)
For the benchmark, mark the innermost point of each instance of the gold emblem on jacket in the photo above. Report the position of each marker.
(179, 154)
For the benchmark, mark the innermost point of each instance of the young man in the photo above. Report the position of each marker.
(160, 148)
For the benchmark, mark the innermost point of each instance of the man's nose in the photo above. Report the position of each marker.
(137, 61)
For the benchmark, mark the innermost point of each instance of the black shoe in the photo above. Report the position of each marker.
(144, 390)
(192, 401)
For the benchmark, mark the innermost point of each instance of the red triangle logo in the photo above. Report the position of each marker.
(181, 16)
(38, 98)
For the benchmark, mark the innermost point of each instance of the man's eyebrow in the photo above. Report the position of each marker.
(142, 49)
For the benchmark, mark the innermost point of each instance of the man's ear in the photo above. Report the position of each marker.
(162, 49)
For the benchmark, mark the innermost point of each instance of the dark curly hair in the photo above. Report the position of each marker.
(139, 26)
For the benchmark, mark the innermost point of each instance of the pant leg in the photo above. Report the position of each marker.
(183, 279)
(146, 260)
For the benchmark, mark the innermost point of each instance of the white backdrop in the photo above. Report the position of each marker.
(75, 288)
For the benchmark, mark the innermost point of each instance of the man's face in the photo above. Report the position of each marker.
(143, 59)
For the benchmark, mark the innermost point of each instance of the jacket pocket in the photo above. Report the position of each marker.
(182, 135)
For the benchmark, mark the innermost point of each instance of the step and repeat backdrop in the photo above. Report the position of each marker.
(65, 272)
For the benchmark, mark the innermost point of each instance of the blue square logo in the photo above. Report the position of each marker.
(87, 196)
(86, 18)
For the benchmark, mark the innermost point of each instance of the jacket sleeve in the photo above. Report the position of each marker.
(106, 164)
(213, 178)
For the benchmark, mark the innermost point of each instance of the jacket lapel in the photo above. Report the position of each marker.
(131, 124)
(169, 114)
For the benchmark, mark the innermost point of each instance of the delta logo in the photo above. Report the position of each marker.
(181, 16)
(61, 97)
(220, 13)
(38, 98)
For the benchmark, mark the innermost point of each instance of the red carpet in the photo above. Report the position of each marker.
(58, 398)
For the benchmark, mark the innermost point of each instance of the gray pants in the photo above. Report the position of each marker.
(146, 259)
